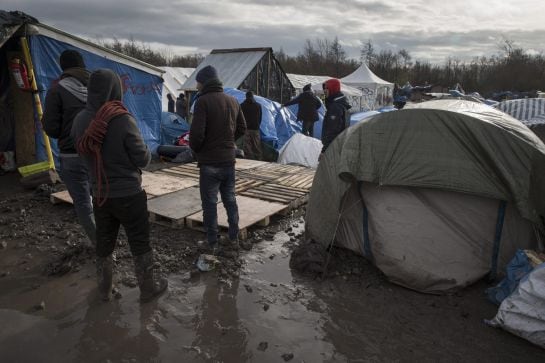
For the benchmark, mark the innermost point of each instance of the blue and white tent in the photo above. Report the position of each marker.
(528, 110)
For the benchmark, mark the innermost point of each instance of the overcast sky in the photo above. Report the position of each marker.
(429, 29)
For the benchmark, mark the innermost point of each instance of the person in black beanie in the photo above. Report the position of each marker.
(217, 122)
(308, 109)
(64, 100)
(252, 139)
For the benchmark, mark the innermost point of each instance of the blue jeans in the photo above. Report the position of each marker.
(75, 176)
(212, 180)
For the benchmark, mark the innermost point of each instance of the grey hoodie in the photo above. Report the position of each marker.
(123, 150)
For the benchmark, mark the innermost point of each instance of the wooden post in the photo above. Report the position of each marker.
(23, 111)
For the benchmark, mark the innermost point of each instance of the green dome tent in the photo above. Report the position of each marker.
(432, 194)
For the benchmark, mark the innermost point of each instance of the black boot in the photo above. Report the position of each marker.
(105, 267)
(150, 285)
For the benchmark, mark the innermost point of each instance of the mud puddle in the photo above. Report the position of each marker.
(267, 314)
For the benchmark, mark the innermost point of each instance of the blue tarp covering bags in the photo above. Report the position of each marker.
(517, 269)
(142, 91)
(172, 126)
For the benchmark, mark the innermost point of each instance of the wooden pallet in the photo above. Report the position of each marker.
(245, 164)
(160, 184)
(251, 212)
(172, 209)
(242, 184)
(299, 181)
(289, 196)
(185, 170)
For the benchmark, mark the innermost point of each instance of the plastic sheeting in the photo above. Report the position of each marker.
(172, 126)
(301, 150)
(517, 268)
(278, 125)
(142, 91)
(522, 313)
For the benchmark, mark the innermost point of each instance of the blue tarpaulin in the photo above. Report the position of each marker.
(172, 126)
(277, 124)
(141, 90)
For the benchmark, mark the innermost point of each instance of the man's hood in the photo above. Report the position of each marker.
(81, 74)
(104, 85)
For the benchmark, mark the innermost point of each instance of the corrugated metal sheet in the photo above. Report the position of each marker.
(233, 68)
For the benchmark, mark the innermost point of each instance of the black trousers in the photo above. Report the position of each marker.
(308, 128)
(132, 213)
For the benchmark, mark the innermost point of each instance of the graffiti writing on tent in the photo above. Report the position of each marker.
(138, 89)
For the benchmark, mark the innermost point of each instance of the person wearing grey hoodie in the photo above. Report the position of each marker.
(107, 136)
(64, 100)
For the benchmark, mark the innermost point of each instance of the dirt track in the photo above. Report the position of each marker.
(249, 309)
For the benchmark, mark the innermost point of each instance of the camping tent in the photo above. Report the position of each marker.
(141, 81)
(530, 111)
(436, 196)
(375, 91)
(301, 150)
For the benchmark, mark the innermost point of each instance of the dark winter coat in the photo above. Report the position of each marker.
(252, 114)
(217, 122)
(308, 106)
(181, 108)
(63, 102)
(336, 118)
(124, 152)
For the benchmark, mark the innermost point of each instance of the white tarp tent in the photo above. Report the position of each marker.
(375, 91)
(301, 150)
(174, 78)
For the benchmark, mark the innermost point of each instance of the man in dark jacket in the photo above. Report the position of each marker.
(171, 103)
(308, 109)
(217, 122)
(107, 136)
(181, 106)
(252, 139)
(63, 101)
(336, 118)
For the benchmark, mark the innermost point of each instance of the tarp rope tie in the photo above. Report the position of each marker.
(90, 143)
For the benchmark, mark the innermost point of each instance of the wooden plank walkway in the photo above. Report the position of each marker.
(251, 212)
(172, 209)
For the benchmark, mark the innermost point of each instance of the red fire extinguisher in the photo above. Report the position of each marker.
(20, 74)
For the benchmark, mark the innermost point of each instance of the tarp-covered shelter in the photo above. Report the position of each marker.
(247, 69)
(530, 111)
(174, 78)
(375, 91)
(353, 95)
(437, 196)
(142, 83)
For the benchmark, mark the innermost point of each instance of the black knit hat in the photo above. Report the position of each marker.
(249, 95)
(307, 87)
(206, 74)
(70, 59)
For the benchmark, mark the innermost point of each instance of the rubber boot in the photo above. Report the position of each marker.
(150, 285)
(105, 267)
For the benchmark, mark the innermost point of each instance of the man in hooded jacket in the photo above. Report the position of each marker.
(308, 109)
(217, 122)
(336, 118)
(64, 100)
(252, 139)
(107, 136)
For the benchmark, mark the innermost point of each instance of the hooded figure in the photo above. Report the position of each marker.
(252, 138)
(308, 109)
(337, 117)
(64, 100)
(107, 136)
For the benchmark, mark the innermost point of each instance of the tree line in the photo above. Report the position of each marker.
(511, 69)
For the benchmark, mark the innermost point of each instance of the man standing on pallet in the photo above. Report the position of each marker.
(217, 122)
(63, 102)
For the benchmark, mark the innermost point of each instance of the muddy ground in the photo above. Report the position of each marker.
(251, 308)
